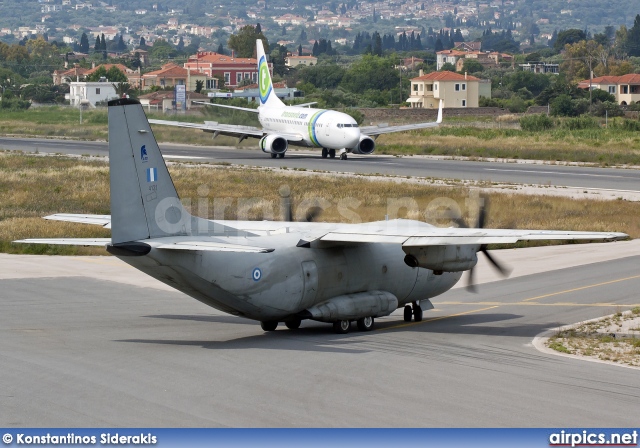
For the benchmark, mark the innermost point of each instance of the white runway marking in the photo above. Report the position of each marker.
(169, 156)
(551, 172)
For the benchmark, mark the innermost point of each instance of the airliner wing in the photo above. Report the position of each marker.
(246, 109)
(378, 130)
(68, 241)
(232, 130)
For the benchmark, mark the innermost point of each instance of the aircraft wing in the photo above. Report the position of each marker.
(378, 130)
(231, 130)
(398, 232)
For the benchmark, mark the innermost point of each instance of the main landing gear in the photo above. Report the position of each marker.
(343, 326)
(331, 153)
(414, 311)
(274, 155)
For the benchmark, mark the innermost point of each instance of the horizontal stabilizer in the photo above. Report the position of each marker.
(210, 246)
(101, 220)
(68, 241)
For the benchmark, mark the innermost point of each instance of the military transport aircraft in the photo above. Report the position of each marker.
(303, 126)
(276, 272)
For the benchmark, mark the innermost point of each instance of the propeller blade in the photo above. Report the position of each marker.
(503, 270)
(482, 213)
(471, 287)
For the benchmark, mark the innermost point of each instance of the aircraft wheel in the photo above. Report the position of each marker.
(365, 324)
(325, 153)
(332, 153)
(273, 156)
(408, 313)
(417, 313)
(293, 324)
(342, 326)
(343, 156)
(269, 325)
(281, 155)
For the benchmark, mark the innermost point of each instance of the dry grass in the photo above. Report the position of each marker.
(35, 186)
(611, 338)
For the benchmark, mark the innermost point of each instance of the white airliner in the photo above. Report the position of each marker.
(303, 126)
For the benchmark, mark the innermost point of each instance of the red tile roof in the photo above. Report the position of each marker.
(445, 76)
(220, 58)
(631, 78)
(172, 71)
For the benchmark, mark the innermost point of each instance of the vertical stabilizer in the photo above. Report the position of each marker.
(144, 201)
(268, 96)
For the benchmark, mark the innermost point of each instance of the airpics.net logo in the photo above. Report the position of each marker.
(586, 438)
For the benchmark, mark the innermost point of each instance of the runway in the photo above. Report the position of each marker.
(428, 167)
(81, 345)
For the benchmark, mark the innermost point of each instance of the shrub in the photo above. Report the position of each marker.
(582, 122)
(536, 123)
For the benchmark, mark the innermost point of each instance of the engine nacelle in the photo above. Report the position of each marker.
(354, 306)
(274, 144)
(365, 146)
(442, 258)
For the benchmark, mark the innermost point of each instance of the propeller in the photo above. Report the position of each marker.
(480, 223)
(286, 207)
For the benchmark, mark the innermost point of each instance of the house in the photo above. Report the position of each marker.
(468, 46)
(448, 56)
(295, 60)
(454, 89)
(171, 75)
(540, 67)
(233, 70)
(252, 93)
(78, 73)
(164, 100)
(91, 92)
(625, 88)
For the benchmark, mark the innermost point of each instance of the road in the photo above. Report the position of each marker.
(520, 173)
(80, 345)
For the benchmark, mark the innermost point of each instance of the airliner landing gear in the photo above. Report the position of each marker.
(414, 312)
(365, 324)
(332, 153)
(343, 154)
(281, 155)
(273, 155)
(269, 325)
(292, 324)
(325, 153)
(342, 326)
(417, 312)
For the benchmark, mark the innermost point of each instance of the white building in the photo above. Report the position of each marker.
(93, 92)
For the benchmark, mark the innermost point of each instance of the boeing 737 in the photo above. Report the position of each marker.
(272, 271)
(303, 126)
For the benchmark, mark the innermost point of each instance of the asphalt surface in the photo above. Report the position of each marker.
(520, 173)
(77, 350)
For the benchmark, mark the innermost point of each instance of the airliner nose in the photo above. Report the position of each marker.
(352, 137)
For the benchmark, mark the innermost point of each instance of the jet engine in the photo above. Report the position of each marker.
(273, 144)
(365, 146)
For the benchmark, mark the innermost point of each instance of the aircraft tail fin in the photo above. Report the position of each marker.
(144, 201)
(268, 96)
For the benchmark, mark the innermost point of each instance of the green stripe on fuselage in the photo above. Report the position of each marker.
(312, 127)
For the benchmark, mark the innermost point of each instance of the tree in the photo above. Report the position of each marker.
(180, 45)
(244, 43)
(121, 45)
(448, 67)
(300, 50)
(114, 74)
(633, 38)
(143, 43)
(471, 66)
(220, 49)
(199, 85)
(371, 72)
(570, 36)
(97, 47)
(103, 42)
(84, 43)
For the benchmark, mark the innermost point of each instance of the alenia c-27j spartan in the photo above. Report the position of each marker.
(303, 126)
(276, 272)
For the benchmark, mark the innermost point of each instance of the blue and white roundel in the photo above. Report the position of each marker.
(257, 274)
